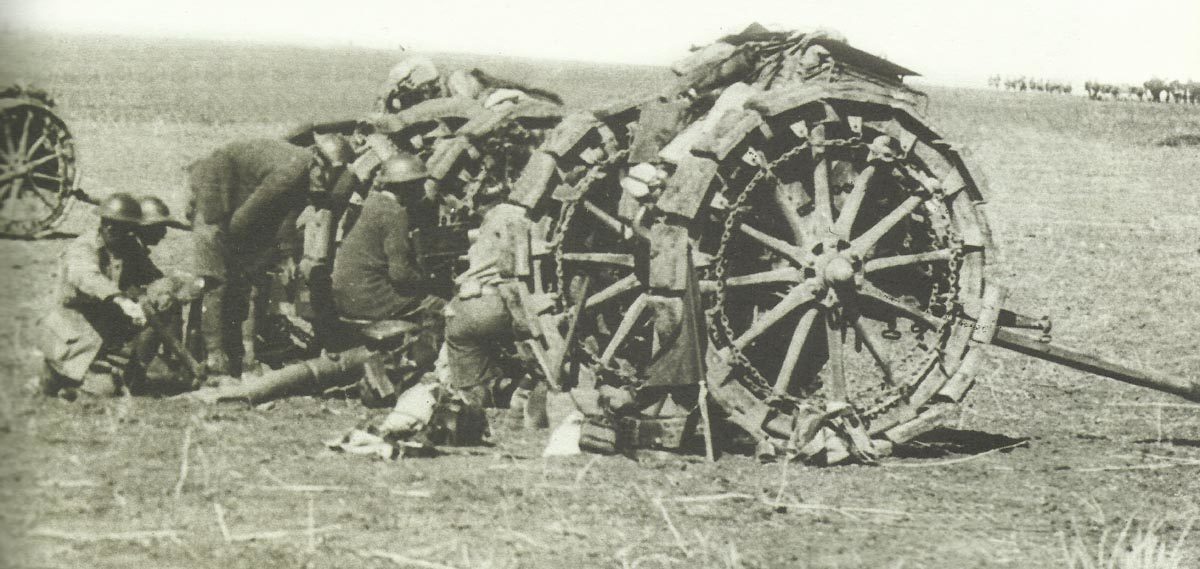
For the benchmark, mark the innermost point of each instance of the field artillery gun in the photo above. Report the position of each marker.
(39, 181)
(836, 244)
(473, 152)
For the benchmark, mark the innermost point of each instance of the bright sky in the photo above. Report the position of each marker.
(951, 41)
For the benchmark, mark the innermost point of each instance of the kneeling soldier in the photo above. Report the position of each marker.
(90, 332)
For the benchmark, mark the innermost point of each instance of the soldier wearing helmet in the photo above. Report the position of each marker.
(156, 218)
(89, 332)
(330, 188)
(409, 82)
(246, 199)
(375, 273)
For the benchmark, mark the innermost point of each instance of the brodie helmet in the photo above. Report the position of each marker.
(120, 207)
(401, 168)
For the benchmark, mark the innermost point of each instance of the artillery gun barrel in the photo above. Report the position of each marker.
(301, 378)
(1075, 359)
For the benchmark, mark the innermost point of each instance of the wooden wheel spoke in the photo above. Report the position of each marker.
(47, 177)
(874, 344)
(9, 141)
(39, 143)
(10, 188)
(836, 385)
(779, 246)
(822, 197)
(850, 207)
(790, 215)
(619, 259)
(25, 135)
(794, 299)
(803, 330)
(35, 163)
(36, 191)
(627, 321)
(905, 260)
(773, 276)
(865, 242)
(899, 307)
(21, 170)
(625, 284)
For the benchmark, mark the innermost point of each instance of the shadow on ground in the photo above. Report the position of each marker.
(943, 442)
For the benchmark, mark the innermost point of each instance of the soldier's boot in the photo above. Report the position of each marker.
(535, 416)
(49, 381)
(515, 417)
(99, 384)
(249, 365)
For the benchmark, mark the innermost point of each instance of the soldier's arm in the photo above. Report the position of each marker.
(398, 250)
(82, 268)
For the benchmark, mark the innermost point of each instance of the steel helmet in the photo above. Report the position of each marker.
(120, 207)
(401, 168)
(415, 70)
(154, 211)
(463, 84)
(334, 147)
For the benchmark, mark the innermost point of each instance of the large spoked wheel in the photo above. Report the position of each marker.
(849, 258)
(626, 327)
(37, 168)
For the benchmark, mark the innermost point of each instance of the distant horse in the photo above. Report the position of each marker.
(994, 81)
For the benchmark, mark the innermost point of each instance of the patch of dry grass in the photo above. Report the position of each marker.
(1135, 546)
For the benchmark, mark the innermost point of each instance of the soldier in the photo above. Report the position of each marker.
(409, 82)
(88, 336)
(417, 79)
(479, 320)
(156, 218)
(246, 198)
(375, 273)
(332, 185)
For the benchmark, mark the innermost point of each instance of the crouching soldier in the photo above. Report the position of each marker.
(479, 321)
(90, 334)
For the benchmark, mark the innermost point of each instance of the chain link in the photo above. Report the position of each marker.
(759, 384)
(884, 397)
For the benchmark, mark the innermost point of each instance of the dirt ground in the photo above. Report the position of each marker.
(1095, 222)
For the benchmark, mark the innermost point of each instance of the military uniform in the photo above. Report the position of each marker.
(86, 337)
(479, 319)
(245, 199)
(376, 277)
(375, 274)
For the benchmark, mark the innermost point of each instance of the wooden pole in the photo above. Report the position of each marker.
(692, 303)
(1071, 358)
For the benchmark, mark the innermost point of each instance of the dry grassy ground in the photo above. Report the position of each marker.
(1096, 224)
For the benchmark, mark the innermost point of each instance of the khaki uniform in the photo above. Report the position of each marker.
(245, 199)
(479, 320)
(84, 324)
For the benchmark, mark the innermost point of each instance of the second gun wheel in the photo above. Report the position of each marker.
(37, 173)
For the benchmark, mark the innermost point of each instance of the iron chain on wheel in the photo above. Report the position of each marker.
(911, 228)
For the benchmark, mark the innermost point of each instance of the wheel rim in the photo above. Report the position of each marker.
(842, 277)
(37, 174)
